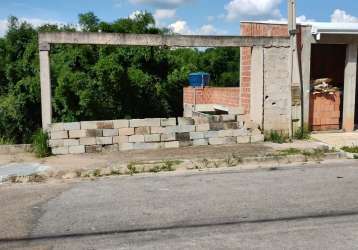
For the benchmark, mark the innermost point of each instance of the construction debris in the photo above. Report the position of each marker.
(324, 86)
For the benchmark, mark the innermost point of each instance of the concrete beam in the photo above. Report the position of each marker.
(336, 39)
(46, 106)
(160, 40)
(350, 81)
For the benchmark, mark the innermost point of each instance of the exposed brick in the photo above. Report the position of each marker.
(172, 144)
(89, 125)
(182, 136)
(110, 148)
(197, 135)
(57, 127)
(222, 140)
(185, 128)
(257, 138)
(94, 133)
(200, 142)
(185, 121)
(158, 130)
(71, 142)
(55, 143)
(202, 127)
(146, 146)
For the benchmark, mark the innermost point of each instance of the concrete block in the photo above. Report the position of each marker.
(60, 150)
(172, 144)
(225, 133)
(200, 120)
(89, 125)
(121, 124)
(57, 127)
(104, 125)
(183, 144)
(200, 142)
(197, 135)
(182, 136)
(168, 122)
(55, 143)
(158, 130)
(257, 138)
(152, 138)
(77, 149)
(125, 131)
(185, 128)
(240, 132)
(185, 121)
(120, 139)
(202, 127)
(223, 140)
(71, 142)
(211, 134)
(171, 129)
(149, 122)
(126, 146)
(136, 138)
(104, 140)
(87, 141)
(72, 126)
(93, 149)
(110, 132)
(77, 133)
(228, 118)
(145, 146)
(243, 139)
(142, 131)
(110, 148)
(94, 133)
(167, 137)
(59, 135)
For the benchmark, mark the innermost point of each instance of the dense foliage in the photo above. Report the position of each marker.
(100, 82)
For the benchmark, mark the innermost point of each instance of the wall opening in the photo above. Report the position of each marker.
(327, 86)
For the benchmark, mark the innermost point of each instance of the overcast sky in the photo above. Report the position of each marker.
(182, 16)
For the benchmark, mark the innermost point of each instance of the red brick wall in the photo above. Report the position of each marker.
(254, 29)
(212, 95)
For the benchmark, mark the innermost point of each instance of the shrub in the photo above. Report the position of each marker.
(276, 137)
(39, 144)
(302, 134)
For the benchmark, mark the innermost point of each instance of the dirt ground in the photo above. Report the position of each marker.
(60, 165)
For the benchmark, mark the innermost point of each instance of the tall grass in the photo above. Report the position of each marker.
(39, 144)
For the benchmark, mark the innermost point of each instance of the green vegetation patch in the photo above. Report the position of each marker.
(39, 144)
(351, 149)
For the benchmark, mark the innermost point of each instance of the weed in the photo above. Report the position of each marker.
(168, 166)
(6, 141)
(78, 173)
(229, 161)
(39, 144)
(97, 173)
(37, 178)
(316, 153)
(132, 169)
(290, 151)
(276, 137)
(205, 163)
(351, 149)
(237, 158)
(355, 157)
(302, 134)
(155, 169)
(216, 164)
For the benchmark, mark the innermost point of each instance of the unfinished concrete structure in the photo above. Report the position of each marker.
(275, 102)
(217, 131)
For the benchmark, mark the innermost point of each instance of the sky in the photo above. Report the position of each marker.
(206, 17)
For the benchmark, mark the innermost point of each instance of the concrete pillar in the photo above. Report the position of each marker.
(350, 76)
(306, 73)
(257, 86)
(45, 78)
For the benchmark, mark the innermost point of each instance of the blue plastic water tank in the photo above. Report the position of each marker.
(199, 79)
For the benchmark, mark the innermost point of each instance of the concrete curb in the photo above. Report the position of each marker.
(15, 149)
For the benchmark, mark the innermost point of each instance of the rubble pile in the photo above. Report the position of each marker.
(324, 86)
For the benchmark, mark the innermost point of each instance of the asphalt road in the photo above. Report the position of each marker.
(310, 207)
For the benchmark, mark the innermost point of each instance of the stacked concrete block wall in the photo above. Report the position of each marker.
(153, 133)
